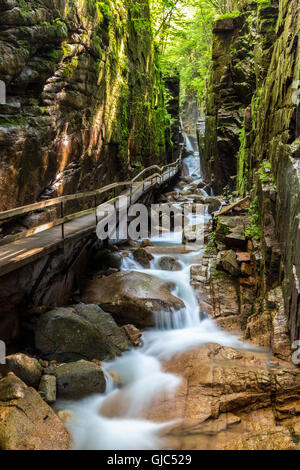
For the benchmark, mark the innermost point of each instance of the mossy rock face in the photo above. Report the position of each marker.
(65, 336)
(268, 134)
(85, 97)
(242, 47)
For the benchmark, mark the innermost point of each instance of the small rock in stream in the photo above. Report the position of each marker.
(79, 379)
(168, 263)
(47, 388)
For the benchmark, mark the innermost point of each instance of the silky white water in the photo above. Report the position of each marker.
(141, 371)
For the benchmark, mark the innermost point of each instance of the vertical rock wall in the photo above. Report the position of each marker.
(252, 137)
(85, 98)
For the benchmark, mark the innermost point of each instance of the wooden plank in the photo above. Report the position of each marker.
(232, 206)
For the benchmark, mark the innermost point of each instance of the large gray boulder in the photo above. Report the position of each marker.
(132, 297)
(63, 335)
(104, 323)
(79, 379)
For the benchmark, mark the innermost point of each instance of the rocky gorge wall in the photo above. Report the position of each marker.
(85, 103)
(252, 135)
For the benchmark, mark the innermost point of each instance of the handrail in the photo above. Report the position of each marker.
(5, 215)
(160, 169)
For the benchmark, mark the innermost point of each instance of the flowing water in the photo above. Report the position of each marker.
(140, 370)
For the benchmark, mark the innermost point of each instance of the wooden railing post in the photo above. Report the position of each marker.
(62, 216)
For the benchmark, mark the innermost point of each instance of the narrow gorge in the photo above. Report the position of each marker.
(149, 225)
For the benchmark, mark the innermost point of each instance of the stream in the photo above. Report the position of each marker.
(141, 370)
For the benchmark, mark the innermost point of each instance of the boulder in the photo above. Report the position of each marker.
(132, 297)
(26, 368)
(105, 259)
(227, 260)
(213, 204)
(79, 379)
(143, 257)
(168, 263)
(47, 388)
(26, 421)
(146, 243)
(63, 335)
(104, 323)
(134, 334)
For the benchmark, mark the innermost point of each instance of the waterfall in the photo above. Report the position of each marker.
(114, 420)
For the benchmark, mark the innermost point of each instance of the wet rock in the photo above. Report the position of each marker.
(106, 259)
(171, 286)
(232, 396)
(110, 271)
(26, 421)
(133, 334)
(104, 323)
(168, 263)
(132, 297)
(63, 335)
(228, 261)
(143, 257)
(47, 388)
(214, 204)
(268, 326)
(146, 243)
(79, 379)
(26, 368)
(223, 296)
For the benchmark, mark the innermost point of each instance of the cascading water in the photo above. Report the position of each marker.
(192, 162)
(112, 420)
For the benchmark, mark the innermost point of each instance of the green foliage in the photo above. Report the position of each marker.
(253, 230)
(183, 33)
(264, 172)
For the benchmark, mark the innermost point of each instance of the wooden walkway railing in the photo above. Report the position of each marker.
(110, 193)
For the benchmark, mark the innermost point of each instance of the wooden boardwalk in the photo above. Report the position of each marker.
(20, 252)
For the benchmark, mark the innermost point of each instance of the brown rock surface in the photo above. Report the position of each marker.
(132, 297)
(26, 421)
(143, 257)
(230, 399)
(133, 334)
